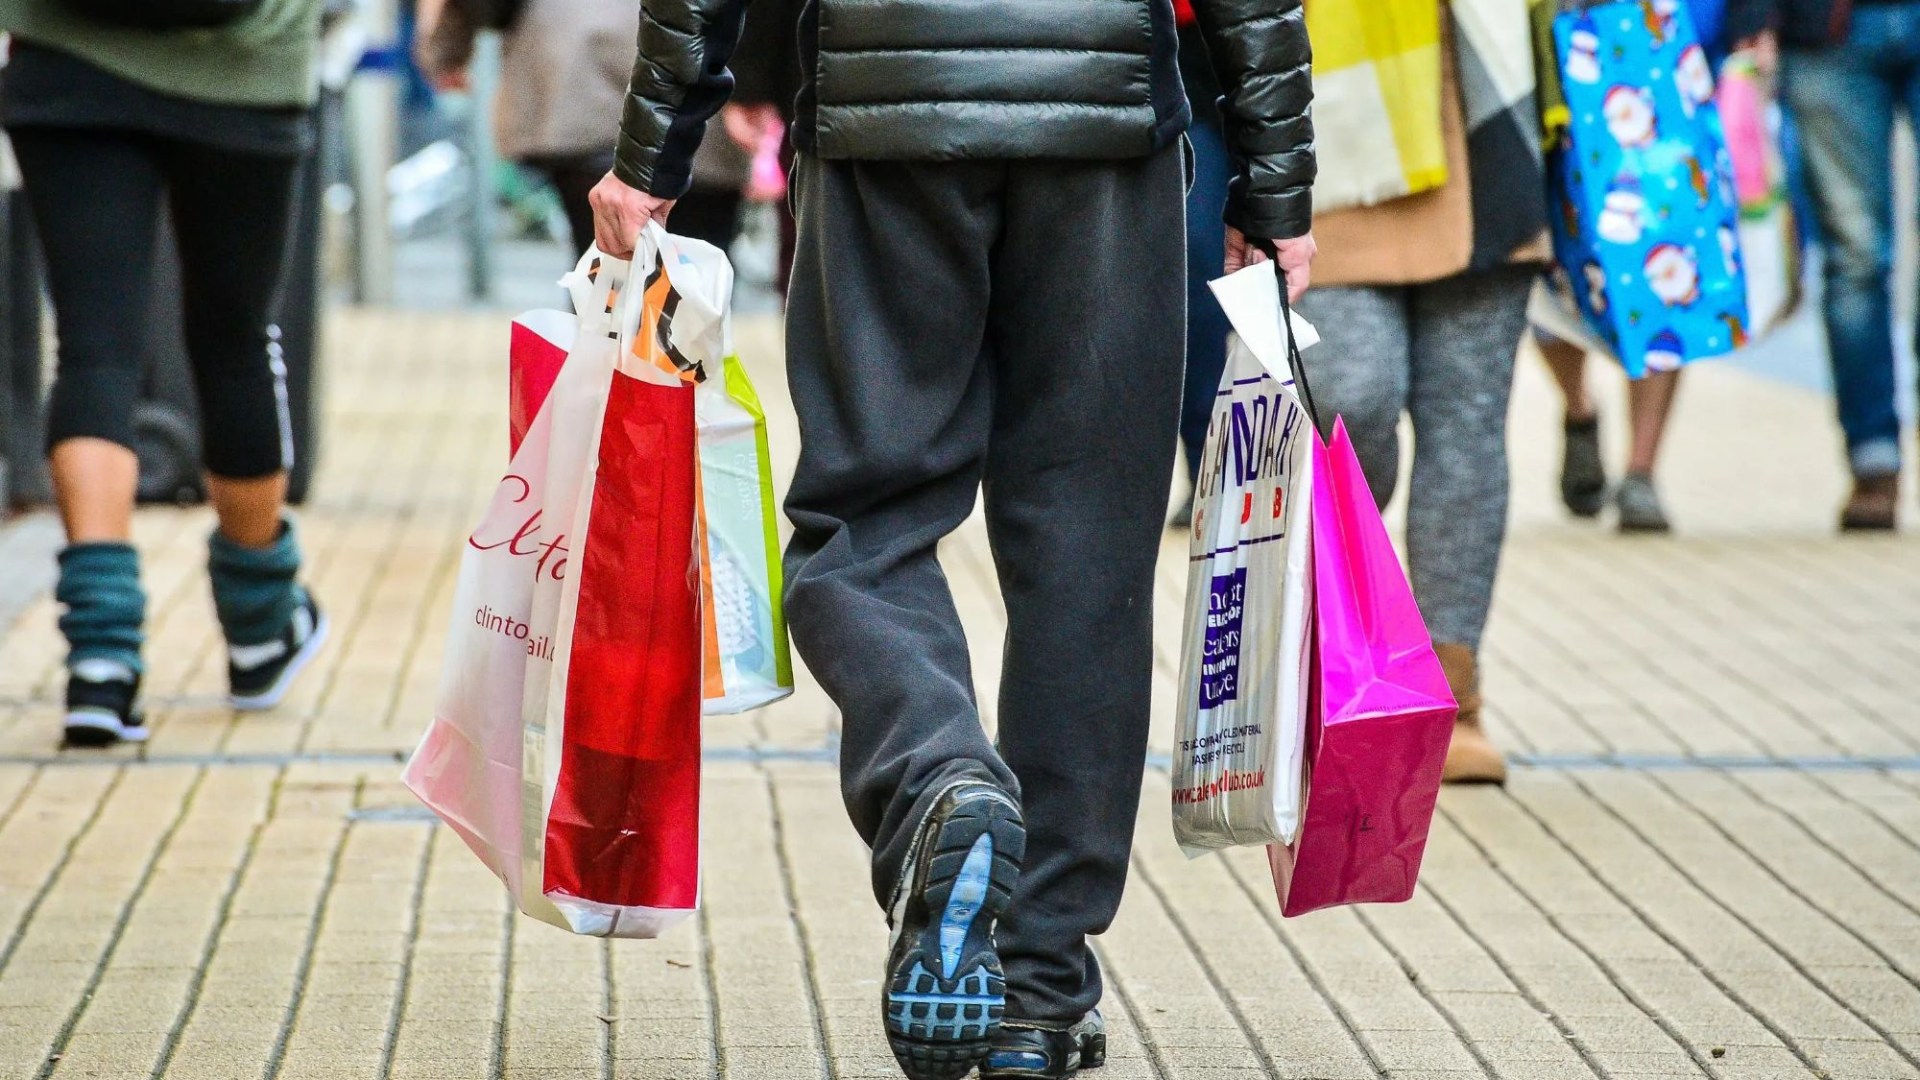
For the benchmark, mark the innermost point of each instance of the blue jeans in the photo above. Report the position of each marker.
(1844, 100)
(1206, 258)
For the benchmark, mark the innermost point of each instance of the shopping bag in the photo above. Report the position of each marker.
(1380, 713)
(1646, 229)
(1769, 235)
(565, 749)
(1238, 744)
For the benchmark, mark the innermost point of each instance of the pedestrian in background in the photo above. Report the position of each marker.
(109, 120)
(987, 293)
(563, 81)
(1421, 301)
(1847, 69)
(1583, 470)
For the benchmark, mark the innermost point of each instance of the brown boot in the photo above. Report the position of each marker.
(1471, 756)
(1874, 504)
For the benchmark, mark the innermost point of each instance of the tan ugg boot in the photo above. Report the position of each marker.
(1471, 756)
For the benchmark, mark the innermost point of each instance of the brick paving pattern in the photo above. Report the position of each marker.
(1708, 863)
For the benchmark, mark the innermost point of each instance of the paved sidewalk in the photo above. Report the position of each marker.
(1709, 864)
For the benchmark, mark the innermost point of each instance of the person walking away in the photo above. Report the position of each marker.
(1583, 471)
(1847, 67)
(987, 293)
(1421, 304)
(563, 82)
(107, 122)
(1206, 249)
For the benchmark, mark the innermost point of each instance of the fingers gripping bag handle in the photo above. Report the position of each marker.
(1255, 301)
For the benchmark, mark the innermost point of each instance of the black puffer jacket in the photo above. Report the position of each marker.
(930, 80)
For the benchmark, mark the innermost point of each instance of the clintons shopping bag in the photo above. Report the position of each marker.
(565, 748)
(1243, 661)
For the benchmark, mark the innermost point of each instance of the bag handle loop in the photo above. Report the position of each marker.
(1296, 365)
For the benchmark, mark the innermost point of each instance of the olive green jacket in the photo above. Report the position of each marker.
(266, 60)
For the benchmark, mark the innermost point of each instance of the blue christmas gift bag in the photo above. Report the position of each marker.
(1646, 223)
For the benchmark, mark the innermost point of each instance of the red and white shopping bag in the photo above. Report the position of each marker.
(565, 747)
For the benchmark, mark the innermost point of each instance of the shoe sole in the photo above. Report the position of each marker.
(1092, 1051)
(92, 731)
(273, 695)
(947, 994)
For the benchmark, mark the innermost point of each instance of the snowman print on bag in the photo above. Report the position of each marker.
(1730, 250)
(1673, 273)
(1623, 211)
(1583, 52)
(1694, 76)
(1630, 119)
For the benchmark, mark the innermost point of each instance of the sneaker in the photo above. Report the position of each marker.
(100, 704)
(258, 675)
(1027, 1052)
(1583, 476)
(1640, 509)
(945, 992)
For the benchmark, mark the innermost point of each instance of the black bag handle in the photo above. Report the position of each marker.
(1295, 364)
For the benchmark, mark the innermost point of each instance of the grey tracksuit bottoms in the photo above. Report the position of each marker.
(1015, 327)
(1442, 352)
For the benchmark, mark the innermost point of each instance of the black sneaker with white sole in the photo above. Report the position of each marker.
(258, 676)
(945, 992)
(100, 704)
(1021, 1052)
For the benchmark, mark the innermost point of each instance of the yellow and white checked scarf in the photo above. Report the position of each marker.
(1376, 112)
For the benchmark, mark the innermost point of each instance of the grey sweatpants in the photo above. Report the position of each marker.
(1444, 353)
(1017, 327)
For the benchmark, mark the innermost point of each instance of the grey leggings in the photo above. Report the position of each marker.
(1443, 352)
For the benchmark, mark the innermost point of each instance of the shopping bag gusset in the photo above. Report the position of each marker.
(1238, 743)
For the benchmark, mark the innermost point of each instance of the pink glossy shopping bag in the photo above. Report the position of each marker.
(1379, 712)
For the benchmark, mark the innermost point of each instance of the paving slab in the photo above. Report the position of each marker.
(1707, 863)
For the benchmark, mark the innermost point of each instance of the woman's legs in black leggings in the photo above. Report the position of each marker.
(95, 195)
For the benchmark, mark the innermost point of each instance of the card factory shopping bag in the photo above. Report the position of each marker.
(565, 748)
(1237, 752)
(1645, 228)
(1380, 712)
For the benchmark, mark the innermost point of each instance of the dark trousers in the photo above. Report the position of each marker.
(1018, 327)
(94, 195)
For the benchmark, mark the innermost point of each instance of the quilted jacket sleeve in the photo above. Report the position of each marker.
(679, 81)
(1265, 64)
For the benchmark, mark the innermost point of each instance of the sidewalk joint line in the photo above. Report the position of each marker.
(197, 983)
(402, 993)
(1267, 907)
(502, 1015)
(1135, 1014)
(1527, 993)
(1632, 996)
(277, 1054)
(1661, 931)
(829, 1069)
(60, 1041)
(1227, 997)
(1460, 1033)
(59, 868)
(1764, 937)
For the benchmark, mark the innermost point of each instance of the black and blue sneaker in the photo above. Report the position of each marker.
(1020, 1052)
(100, 704)
(258, 676)
(945, 991)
